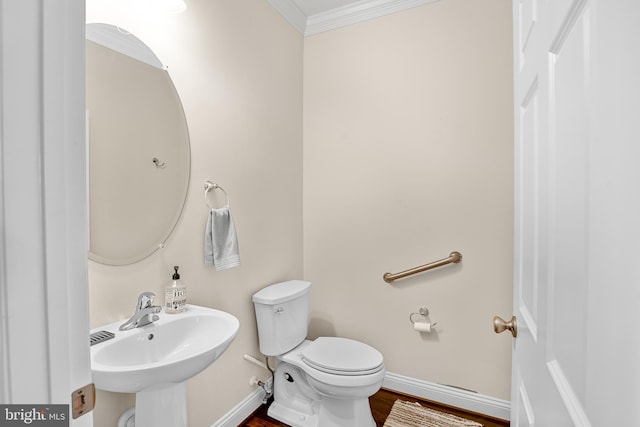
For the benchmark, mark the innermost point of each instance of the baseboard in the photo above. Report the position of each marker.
(242, 410)
(449, 395)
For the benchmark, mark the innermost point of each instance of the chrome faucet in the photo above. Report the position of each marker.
(145, 312)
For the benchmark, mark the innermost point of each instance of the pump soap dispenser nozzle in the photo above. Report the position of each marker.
(175, 295)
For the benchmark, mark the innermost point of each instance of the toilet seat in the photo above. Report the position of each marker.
(342, 356)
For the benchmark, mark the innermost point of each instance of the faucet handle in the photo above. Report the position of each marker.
(145, 300)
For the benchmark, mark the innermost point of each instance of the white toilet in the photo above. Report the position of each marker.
(321, 383)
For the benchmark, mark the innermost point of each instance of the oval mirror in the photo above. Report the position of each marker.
(139, 155)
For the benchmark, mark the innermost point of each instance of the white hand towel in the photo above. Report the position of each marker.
(220, 240)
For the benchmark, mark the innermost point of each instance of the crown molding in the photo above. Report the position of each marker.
(343, 16)
(291, 13)
(358, 12)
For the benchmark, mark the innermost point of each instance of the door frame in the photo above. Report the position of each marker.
(44, 310)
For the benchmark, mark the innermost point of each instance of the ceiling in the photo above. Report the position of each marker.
(316, 16)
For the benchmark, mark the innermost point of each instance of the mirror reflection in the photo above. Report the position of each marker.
(139, 156)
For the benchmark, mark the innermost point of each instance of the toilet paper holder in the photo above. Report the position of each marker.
(422, 311)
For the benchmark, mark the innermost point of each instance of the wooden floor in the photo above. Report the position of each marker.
(381, 404)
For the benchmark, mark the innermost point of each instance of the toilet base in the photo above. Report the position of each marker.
(292, 417)
(330, 414)
(299, 405)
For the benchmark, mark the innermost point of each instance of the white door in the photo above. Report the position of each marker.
(44, 342)
(576, 358)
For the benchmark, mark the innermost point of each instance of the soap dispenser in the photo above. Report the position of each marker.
(175, 295)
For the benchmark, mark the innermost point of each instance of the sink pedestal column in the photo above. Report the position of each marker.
(164, 405)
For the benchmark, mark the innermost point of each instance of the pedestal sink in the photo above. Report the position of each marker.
(155, 360)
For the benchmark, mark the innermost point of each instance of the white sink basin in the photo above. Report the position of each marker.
(167, 351)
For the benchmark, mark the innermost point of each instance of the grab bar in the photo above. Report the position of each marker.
(454, 257)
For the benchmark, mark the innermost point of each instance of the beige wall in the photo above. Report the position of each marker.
(237, 66)
(407, 157)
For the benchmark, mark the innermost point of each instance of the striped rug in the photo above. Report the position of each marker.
(409, 414)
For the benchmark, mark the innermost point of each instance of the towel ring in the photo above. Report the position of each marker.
(208, 186)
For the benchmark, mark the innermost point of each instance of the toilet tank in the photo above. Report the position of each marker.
(282, 315)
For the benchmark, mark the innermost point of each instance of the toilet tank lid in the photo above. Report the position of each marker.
(281, 292)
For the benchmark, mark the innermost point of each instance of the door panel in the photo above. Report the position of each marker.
(524, 412)
(569, 139)
(529, 193)
(577, 230)
(552, 221)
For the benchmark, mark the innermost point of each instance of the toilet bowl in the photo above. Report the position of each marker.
(320, 383)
